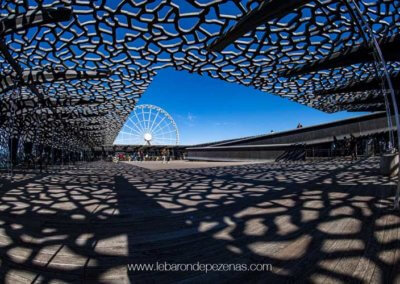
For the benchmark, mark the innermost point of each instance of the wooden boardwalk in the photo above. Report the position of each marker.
(313, 222)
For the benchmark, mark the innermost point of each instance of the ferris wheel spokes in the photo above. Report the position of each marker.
(132, 129)
(148, 125)
(139, 124)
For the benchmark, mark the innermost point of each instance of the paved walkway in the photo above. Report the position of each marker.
(312, 222)
(175, 165)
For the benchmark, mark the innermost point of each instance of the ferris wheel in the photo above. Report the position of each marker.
(148, 125)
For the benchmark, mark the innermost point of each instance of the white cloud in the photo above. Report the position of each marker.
(223, 123)
(190, 117)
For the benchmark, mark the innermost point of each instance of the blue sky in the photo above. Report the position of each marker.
(207, 109)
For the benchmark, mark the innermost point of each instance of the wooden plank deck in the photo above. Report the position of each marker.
(319, 222)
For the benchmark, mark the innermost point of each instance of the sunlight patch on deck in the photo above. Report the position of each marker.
(176, 165)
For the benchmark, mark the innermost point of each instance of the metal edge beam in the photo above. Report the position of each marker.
(35, 77)
(363, 86)
(355, 55)
(33, 18)
(266, 11)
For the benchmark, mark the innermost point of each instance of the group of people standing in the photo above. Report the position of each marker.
(345, 147)
(140, 156)
(137, 156)
(352, 146)
(166, 155)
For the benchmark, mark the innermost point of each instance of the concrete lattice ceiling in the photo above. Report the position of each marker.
(134, 39)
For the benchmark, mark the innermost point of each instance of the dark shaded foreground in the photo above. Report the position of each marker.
(319, 222)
